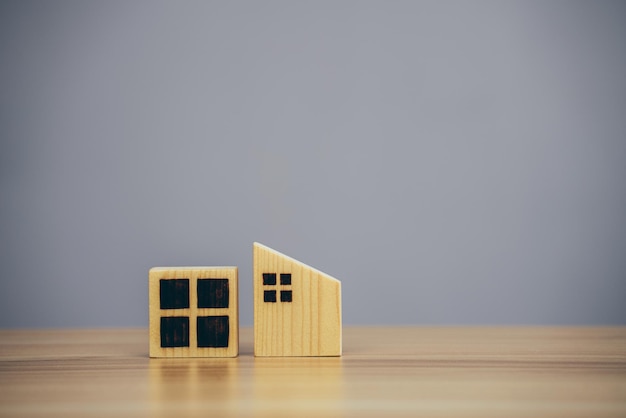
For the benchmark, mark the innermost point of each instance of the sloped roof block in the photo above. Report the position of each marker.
(297, 309)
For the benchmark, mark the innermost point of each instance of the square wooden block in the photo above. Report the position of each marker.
(194, 311)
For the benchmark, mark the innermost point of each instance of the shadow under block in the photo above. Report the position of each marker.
(297, 309)
(194, 311)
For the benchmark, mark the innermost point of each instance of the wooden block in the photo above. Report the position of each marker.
(194, 311)
(297, 309)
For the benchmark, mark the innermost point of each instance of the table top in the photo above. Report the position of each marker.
(385, 371)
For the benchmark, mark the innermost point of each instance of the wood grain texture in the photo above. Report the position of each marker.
(156, 274)
(391, 372)
(309, 323)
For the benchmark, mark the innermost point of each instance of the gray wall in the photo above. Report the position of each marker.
(450, 162)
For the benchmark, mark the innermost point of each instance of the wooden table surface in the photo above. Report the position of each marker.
(401, 371)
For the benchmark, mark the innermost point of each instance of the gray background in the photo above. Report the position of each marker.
(450, 162)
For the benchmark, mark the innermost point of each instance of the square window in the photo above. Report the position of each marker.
(285, 278)
(174, 331)
(269, 279)
(213, 331)
(212, 293)
(174, 293)
(269, 296)
(285, 295)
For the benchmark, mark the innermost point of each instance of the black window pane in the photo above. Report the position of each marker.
(213, 331)
(174, 331)
(269, 279)
(285, 295)
(269, 296)
(174, 293)
(285, 278)
(212, 293)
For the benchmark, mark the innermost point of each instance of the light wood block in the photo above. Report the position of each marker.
(297, 309)
(194, 311)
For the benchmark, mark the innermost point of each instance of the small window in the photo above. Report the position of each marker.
(174, 331)
(285, 279)
(213, 331)
(269, 296)
(212, 293)
(269, 279)
(174, 293)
